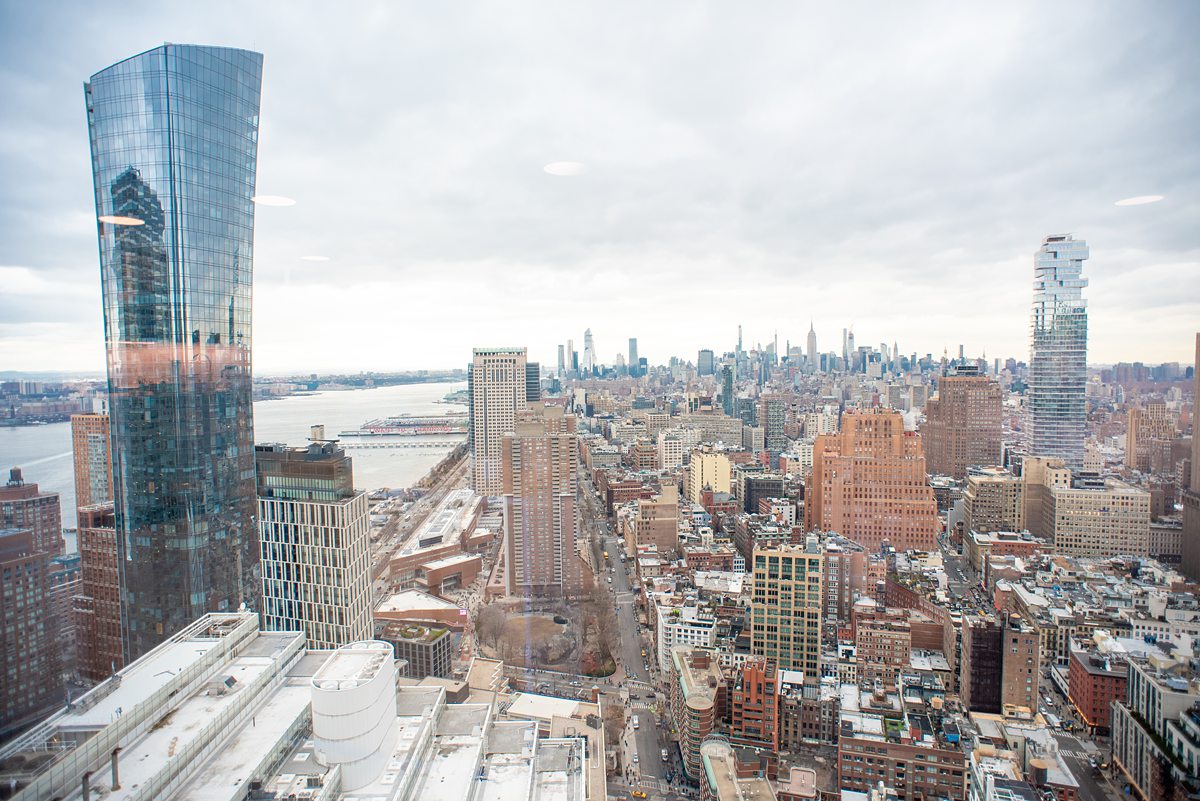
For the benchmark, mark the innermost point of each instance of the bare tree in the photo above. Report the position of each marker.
(489, 623)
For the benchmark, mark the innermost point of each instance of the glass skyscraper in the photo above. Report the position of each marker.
(174, 141)
(1058, 353)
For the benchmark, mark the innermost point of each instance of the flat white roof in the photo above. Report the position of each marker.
(357, 662)
(412, 600)
(139, 681)
(223, 779)
(544, 707)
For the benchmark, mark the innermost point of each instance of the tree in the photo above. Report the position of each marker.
(489, 623)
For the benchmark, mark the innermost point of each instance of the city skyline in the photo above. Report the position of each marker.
(705, 173)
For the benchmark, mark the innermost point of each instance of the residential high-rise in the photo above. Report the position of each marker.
(25, 506)
(29, 661)
(1058, 353)
(314, 530)
(533, 382)
(174, 144)
(633, 358)
(1153, 730)
(540, 460)
(708, 469)
(497, 387)
(785, 607)
(704, 362)
(572, 358)
(772, 416)
(1191, 494)
(93, 465)
(868, 484)
(813, 358)
(98, 606)
(727, 404)
(962, 423)
(1146, 424)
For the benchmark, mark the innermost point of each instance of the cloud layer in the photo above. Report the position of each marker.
(891, 167)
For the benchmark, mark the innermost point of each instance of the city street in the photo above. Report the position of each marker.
(1077, 753)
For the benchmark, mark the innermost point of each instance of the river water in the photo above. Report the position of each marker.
(44, 452)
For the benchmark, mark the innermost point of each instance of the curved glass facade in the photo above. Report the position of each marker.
(1058, 357)
(174, 141)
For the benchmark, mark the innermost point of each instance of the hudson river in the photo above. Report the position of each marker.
(44, 452)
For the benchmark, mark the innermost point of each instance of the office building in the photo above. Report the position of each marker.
(562, 361)
(1098, 517)
(868, 483)
(174, 143)
(93, 464)
(314, 530)
(589, 354)
(29, 656)
(572, 358)
(634, 364)
(705, 363)
(496, 389)
(962, 424)
(97, 608)
(785, 607)
(244, 714)
(814, 359)
(1058, 354)
(993, 500)
(1191, 492)
(540, 461)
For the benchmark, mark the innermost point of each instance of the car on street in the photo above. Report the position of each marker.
(635, 759)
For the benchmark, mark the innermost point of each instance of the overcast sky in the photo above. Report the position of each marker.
(891, 166)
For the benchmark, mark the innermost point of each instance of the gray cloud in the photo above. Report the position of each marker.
(893, 167)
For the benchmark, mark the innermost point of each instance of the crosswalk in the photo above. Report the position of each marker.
(1075, 754)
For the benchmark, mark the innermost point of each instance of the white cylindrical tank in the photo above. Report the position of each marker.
(354, 711)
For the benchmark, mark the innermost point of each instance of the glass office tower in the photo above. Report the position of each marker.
(174, 140)
(1058, 353)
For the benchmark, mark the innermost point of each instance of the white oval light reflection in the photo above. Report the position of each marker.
(273, 200)
(314, 258)
(1140, 200)
(564, 168)
(120, 219)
